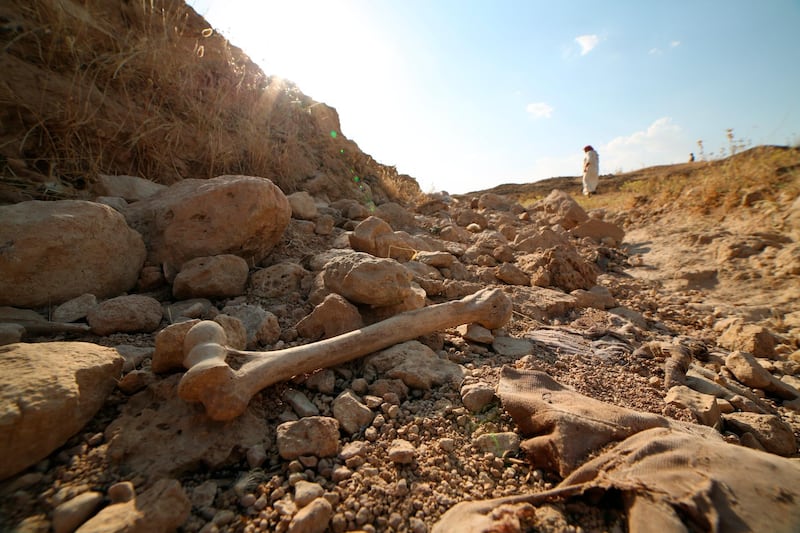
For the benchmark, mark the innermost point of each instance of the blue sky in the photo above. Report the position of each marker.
(468, 94)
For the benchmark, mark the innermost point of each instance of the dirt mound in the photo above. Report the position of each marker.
(149, 89)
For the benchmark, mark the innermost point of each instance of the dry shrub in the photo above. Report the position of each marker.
(760, 174)
(145, 88)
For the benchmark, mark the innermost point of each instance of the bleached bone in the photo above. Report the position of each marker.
(226, 392)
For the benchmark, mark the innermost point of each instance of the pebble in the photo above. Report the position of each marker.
(121, 492)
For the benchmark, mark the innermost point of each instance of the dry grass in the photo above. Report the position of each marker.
(146, 88)
(757, 176)
(761, 174)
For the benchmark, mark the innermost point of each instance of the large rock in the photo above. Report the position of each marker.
(365, 279)
(48, 392)
(240, 215)
(55, 251)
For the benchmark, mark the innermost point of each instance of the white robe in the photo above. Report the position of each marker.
(591, 172)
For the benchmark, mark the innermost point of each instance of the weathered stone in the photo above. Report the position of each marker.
(278, 281)
(512, 347)
(63, 385)
(168, 353)
(466, 217)
(261, 325)
(396, 215)
(494, 202)
(313, 518)
(597, 297)
(334, 316)
(11, 333)
(351, 413)
(162, 507)
(74, 512)
(772, 433)
(599, 231)
(220, 276)
(560, 267)
(511, 274)
(323, 381)
(129, 313)
(75, 308)
(476, 396)
(240, 215)
(158, 415)
(702, 406)
(750, 338)
(435, 259)
(475, 333)
(131, 188)
(415, 364)
(543, 239)
(305, 492)
(750, 373)
(313, 435)
(402, 452)
(562, 209)
(300, 403)
(498, 443)
(362, 278)
(303, 206)
(55, 251)
(121, 492)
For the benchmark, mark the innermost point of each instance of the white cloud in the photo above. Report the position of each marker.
(674, 44)
(587, 43)
(662, 142)
(540, 110)
(655, 52)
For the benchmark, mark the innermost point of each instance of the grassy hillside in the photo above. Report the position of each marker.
(762, 173)
(147, 88)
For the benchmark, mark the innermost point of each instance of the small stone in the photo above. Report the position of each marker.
(447, 444)
(72, 513)
(256, 455)
(223, 517)
(402, 452)
(498, 443)
(121, 492)
(477, 396)
(313, 518)
(300, 403)
(341, 473)
(305, 492)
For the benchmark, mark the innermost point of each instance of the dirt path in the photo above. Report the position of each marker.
(740, 266)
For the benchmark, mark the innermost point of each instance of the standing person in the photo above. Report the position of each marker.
(591, 170)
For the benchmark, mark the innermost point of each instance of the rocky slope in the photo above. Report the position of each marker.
(599, 370)
(391, 441)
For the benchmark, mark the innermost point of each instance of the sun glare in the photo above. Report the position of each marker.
(327, 48)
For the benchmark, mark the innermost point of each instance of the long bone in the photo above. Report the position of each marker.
(226, 392)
